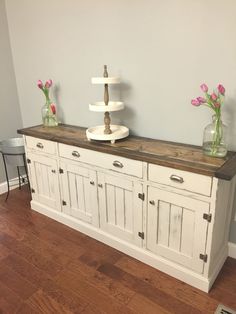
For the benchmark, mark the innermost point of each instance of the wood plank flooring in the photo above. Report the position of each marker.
(46, 267)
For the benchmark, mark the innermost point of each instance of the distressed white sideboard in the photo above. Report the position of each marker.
(163, 203)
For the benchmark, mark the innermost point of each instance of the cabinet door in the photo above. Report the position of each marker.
(44, 180)
(79, 190)
(176, 229)
(120, 207)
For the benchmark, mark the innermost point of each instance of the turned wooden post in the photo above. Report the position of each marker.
(107, 119)
(106, 94)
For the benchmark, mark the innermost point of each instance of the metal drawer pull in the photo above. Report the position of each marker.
(175, 178)
(53, 171)
(117, 164)
(100, 185)
(92, 182)
(75, 153)
(40, 145)
(152, 202)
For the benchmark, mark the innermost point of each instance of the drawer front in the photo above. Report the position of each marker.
(107, 161)
(41, 145)
(184, 180)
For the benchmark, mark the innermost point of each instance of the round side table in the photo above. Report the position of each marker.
(13, 154)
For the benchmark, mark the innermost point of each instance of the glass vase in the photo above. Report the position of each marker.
(214, 138)
(49, 114)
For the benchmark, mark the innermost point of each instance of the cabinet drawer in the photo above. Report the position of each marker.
(180, 179)
(107, 161)
(41, 145)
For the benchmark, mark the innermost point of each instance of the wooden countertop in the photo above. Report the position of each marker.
(169, 154)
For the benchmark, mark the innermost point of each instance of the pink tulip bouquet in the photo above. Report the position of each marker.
(49, 109)
(214, 146)
(213, 100)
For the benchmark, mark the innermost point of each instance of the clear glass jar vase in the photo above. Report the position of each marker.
(49, 114)
(215, 138)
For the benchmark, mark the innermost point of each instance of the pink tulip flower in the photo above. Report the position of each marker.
(217, 105)
(201, 100)
(53, 108)
(195, 102)
(40, 84)
(213, 96)
(204, 88)
(221, 89)
(48, 83)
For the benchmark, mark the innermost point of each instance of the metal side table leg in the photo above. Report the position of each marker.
(19, 177)
(8, 186)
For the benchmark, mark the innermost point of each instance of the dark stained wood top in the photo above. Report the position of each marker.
(169, 154)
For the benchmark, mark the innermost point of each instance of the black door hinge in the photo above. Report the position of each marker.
(141, 196)
(63, 203)
(207, 217)
(203, 257)
(61, 170)
(28, 161)
(141, 235)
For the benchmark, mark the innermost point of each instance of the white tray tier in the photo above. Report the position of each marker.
(100, 106)
(105, 80)
(97, 133)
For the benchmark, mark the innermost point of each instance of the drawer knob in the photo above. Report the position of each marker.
(176, 178)
(152, 202)
(100, 185)
(40, 145)
(53, 171)
(75, 153)
(117, 164)
(92, 182)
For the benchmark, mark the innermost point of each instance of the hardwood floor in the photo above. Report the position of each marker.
(46, 267)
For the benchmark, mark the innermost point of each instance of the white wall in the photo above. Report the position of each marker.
(163, 51)
(10, 117)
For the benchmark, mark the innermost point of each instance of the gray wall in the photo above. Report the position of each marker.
(162, 50)
(10, 116)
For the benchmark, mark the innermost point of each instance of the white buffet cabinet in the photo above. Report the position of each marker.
(174, 220)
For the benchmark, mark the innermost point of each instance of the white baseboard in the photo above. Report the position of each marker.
(232, 250)
(14, 183)
(3, 187)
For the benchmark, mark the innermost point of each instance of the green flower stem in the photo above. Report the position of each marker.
(50, 119)
(48, 115)
(217, 134)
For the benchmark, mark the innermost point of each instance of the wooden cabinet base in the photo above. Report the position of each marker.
(141, 254)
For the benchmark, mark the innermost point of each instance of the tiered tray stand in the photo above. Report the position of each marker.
(108, 131)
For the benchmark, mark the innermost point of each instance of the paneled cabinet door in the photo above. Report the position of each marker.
(79, 190)
(176, 229)
(44, 180)
(120, 207)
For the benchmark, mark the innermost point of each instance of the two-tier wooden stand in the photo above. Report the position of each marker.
(108, 131)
